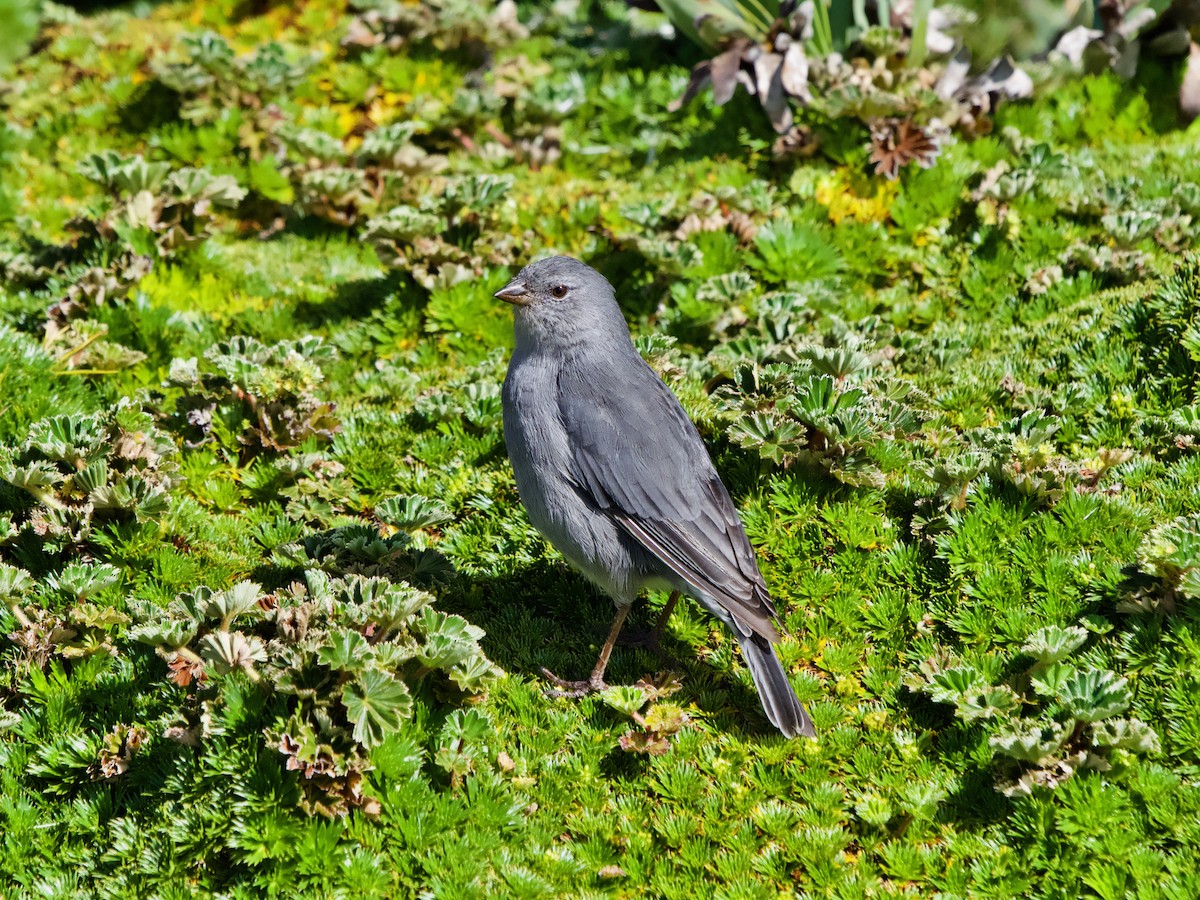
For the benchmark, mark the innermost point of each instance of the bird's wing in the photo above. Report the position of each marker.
(637, 456)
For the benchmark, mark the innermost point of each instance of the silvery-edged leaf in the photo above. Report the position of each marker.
(1126, 734)
(1053, 644)
(1050, 680)
(794, 73)
(625, 699)
(461, 740)
(236, 601)
(34, 478)
(400, 604)
(68, 438)
(409, 512)
(391, 654)
(476, 193)
(13, 582)
(469, 725)
(1031, 744)
(402, 223)
(143, 210)
(80, 580)
(448, 639)
(474, 673)
(184, 372)
(92, 477)
(346, 651)
(949, 685)
(988, 703)
(173, 634)
(124, 175)
(311, 143)
(226, 651)
(201, 184)
(91, 616)
(8, 720)
(377, 705)
(385, 142)
(192, 605)
(1094, 694)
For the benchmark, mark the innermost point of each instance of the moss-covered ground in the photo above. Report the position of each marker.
(958, 412)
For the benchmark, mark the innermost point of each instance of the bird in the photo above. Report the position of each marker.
(616, 477)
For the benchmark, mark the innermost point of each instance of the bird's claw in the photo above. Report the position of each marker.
(572, 689)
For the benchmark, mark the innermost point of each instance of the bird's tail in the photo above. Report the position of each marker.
(779, 701)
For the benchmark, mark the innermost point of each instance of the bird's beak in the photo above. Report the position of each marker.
(514, 292)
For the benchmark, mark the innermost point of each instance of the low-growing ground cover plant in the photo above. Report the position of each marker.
(272, 618)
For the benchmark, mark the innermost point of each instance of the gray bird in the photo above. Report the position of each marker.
(613, 473)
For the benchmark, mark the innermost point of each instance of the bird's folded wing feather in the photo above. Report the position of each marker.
(637, 456)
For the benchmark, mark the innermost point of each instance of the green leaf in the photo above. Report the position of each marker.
(791, 253)
(19, 25)
(949, 685)
(461, 741)
(1094, 694)
(625, 699)
(173, 634)
(377, 705)
(409, 512)
(449, 640)
(236, 601)
(1050, 680)
(988, 703)
(1052, 644)
(80, 581)
(14, 582)
(226, 651)
(1126, 734)
(347, 651)
(1031, 743)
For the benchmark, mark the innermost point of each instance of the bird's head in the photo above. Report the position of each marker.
(562, 301)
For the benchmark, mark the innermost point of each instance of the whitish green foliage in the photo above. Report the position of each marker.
(158, 210)
(956, 412)
(260, 397)
(346, 652)
(1171, 553)
(1045, 731)
(80, 470)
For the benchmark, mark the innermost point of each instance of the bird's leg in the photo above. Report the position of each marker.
(652, 639)
(594, 682)
(663, 617)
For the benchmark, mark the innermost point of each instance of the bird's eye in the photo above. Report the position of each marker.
(559, 291)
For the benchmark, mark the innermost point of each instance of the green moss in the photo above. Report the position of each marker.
(957, 412)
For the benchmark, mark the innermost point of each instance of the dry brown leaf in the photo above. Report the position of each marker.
(894, 144)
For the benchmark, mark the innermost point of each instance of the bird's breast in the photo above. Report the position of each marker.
(542, 461)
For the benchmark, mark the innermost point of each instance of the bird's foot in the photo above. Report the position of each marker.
(564, 688)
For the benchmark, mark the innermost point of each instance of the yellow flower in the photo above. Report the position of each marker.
(856, 197)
